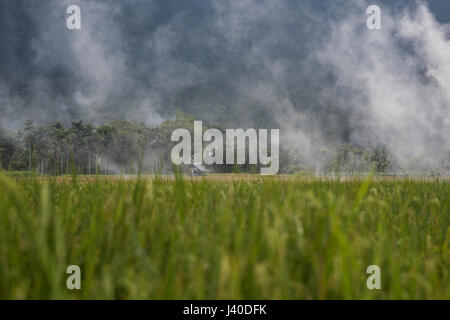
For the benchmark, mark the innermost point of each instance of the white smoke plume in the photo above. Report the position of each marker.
(400, 79)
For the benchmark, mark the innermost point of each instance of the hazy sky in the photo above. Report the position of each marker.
(239, 63)
(142, 59)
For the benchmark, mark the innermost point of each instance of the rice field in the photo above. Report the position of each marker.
(224, 237)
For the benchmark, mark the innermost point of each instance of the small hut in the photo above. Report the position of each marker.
(198, 169)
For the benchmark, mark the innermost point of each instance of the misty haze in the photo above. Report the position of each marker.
(224, 149)
(310, 68)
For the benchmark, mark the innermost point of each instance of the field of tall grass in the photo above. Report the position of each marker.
(263, 238)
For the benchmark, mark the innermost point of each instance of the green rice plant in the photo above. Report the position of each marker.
(264, 238)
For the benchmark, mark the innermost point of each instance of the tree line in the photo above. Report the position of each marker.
(130, 147)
